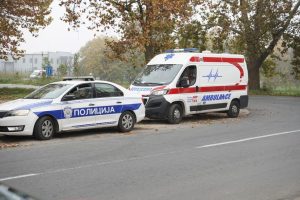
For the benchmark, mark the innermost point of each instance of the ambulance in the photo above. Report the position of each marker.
(182, 82)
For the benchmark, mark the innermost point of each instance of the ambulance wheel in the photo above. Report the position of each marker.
(175, 114)
(126, 121)
(234, 109)
(44, 128)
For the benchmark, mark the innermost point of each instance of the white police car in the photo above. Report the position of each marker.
(71, 105)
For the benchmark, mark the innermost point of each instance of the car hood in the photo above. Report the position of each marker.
(24, 104)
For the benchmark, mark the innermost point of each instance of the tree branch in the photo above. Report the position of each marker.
(279, 33)
(230, 28)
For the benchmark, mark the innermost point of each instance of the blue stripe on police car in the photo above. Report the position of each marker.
(68, 112)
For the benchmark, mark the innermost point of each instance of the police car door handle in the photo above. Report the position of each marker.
(119, 102)
(91, 104)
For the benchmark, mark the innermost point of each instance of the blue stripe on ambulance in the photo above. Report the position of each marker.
(89, 111)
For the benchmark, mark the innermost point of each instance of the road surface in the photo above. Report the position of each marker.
(207, 157)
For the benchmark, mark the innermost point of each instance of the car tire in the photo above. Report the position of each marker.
(126, 121)
(234, 109)
(44, 128)
(175, 114)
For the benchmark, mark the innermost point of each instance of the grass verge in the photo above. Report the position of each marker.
(280, 91)
(22, 79)
(13, 93)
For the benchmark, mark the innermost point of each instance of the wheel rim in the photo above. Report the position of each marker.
(127, 121)
(47, 128)
(177, 114)
(234, 109)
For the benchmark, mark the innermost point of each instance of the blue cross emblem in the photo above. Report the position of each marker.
(169, 56)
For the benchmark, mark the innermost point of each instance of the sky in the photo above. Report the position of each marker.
(56, 36)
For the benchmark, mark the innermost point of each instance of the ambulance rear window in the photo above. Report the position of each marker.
(157, 74)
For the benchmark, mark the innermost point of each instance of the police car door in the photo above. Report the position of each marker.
(109, 102)
(76, 105)
(189, 90)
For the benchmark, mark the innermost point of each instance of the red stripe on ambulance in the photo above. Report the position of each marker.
(207, 89)
(234, 61)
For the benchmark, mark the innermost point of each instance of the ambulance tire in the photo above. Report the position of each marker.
(126, 121)
(234, 109)
(175, 114)
(44, 128)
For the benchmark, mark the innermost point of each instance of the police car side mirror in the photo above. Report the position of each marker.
(184, 82)
(68, 97)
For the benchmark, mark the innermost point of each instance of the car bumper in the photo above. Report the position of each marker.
(8, 124)
(140, 113)
(157, 107)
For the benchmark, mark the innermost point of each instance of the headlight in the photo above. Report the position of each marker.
(17, 113)
(160, 92)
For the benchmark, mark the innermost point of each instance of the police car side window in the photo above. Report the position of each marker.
(107, 90)
(83, 91)
(190, 73)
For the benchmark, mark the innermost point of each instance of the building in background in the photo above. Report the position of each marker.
(34, 61)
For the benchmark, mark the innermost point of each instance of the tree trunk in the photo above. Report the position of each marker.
(253, 71)
(149, 53)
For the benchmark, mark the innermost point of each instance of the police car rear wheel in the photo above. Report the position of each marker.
(44, 128)
(234, 109)
(126, 122)
(175, 114)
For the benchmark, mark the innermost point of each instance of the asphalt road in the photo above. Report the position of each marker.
(208, 157)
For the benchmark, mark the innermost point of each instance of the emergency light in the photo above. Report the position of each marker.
(182, 50)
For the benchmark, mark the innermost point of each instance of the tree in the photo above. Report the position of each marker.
(76, 65)
(93, 59)
(296, 59)
(146, 25)
(257, 25)
(17, 16)
(45, 63)
(192, 34)
(62, 69)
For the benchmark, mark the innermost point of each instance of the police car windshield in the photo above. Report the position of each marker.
(157, 74)
(50, 91)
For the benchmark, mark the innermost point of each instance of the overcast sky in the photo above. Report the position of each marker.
(56, 36)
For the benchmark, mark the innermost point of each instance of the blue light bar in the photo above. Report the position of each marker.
(182, 50)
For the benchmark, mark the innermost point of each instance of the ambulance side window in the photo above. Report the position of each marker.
(82, 91)
(107, 90)
(189, 74)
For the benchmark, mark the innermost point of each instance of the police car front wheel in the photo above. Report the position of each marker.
(126, 121)
(44, 128)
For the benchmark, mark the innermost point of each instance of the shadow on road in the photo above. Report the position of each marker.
(147, 124)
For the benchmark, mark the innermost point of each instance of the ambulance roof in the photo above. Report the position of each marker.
(184, 58)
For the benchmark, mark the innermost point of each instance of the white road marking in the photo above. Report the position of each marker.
(146, 156)
(246, 139)
(17, 177)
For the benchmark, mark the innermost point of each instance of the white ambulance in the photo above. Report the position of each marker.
(182, 82)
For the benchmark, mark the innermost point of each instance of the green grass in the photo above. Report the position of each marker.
(279, 91)
(13, 93)
(23, 79)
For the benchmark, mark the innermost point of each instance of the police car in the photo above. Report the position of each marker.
(71, 104)
(182, 82)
